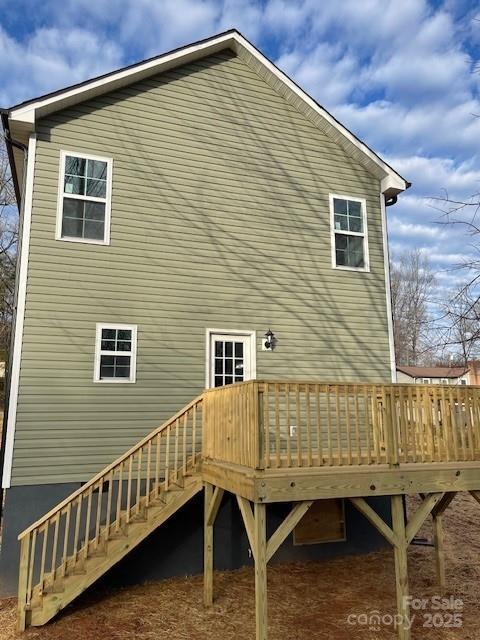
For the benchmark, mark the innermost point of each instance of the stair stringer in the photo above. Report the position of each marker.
(116, 549)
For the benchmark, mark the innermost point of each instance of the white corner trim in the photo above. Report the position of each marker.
(388, 289)
(231, 332)
(364, 234)
(132, 353)
(20, 313)
(61, 195)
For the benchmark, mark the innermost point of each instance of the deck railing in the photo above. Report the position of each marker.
(294, 424)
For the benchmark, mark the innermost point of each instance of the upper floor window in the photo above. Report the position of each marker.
(84, 198)
(349, 233)
(115, 353)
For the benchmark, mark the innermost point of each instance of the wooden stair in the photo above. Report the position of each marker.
(73, 545)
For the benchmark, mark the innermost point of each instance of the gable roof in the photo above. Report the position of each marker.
(433, 372)
(22, 117)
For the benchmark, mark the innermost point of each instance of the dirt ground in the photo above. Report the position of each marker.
(305, 600)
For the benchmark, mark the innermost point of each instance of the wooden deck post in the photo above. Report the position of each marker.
(260, 535)
(438, 539)
(401, 569)
(213, 499)
(207, 550)
(22, 582)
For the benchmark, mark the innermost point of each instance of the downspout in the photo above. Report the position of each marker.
(10, 144)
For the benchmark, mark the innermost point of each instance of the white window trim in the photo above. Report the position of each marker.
(364, 234)
(231, 332)
(98, 353)
(61, 195)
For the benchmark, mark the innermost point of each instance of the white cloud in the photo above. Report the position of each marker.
(50, 59)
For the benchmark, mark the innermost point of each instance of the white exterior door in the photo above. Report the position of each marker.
(231, 358)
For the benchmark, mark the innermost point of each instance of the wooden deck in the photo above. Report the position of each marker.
(264, 442)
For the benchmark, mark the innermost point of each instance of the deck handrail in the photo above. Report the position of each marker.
(265, 424)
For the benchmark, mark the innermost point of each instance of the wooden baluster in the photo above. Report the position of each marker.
(357, 424)
(175, 459)
(446, 427)
(468, 418)
(31, 566)
(53, 564)
(147, 479)
(437, 431)
(460, 421)
(185, 431)
(87, 521)
(412, 424)
(109, 504)
(99, 514)
(347, 424)
(308, 417)
(167, 458)
(78, 516)
(277, 428)
(45, 529)
(454, 423)
(419, 422)
(319, 426)
(158, 461)
(66, 536)
(266, 423)
(376, 425)
(329, 426)
(129, 487)
(298, 420)
(399, 410)
(118, 514)
(428, 398)
(139, 481)
(289, 434)
(366, 403)
(194, 433)
(338, 425)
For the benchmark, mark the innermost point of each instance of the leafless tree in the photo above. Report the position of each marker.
(8, 249)
(459, 326)
(412, 281)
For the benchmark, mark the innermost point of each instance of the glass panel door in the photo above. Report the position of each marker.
(229, 359)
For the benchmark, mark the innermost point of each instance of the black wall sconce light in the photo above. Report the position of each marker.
(269, 341)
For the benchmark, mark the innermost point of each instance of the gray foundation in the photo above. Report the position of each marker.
(176, 548)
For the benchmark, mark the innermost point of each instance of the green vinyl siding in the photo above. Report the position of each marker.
(219, 219)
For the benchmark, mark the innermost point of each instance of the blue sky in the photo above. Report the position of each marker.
(401, 74)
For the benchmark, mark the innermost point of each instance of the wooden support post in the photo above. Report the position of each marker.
(439, 551)
(260, 534)
(401, 569)
(208, 549)
(23, 582)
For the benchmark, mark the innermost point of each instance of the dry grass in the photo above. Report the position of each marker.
(305, 600)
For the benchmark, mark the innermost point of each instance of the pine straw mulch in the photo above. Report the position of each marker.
(305, 600)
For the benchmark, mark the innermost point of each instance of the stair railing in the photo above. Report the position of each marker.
(60, 542)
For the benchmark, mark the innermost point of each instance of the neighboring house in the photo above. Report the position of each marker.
(433, 375)
(172, 213)
(473, 375)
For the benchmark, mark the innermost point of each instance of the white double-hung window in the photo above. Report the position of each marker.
(348, 219)
(115, 353)
(84, 196)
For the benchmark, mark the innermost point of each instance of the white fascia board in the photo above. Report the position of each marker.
(30, 112)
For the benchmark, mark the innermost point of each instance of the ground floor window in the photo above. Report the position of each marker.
(115, 353)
